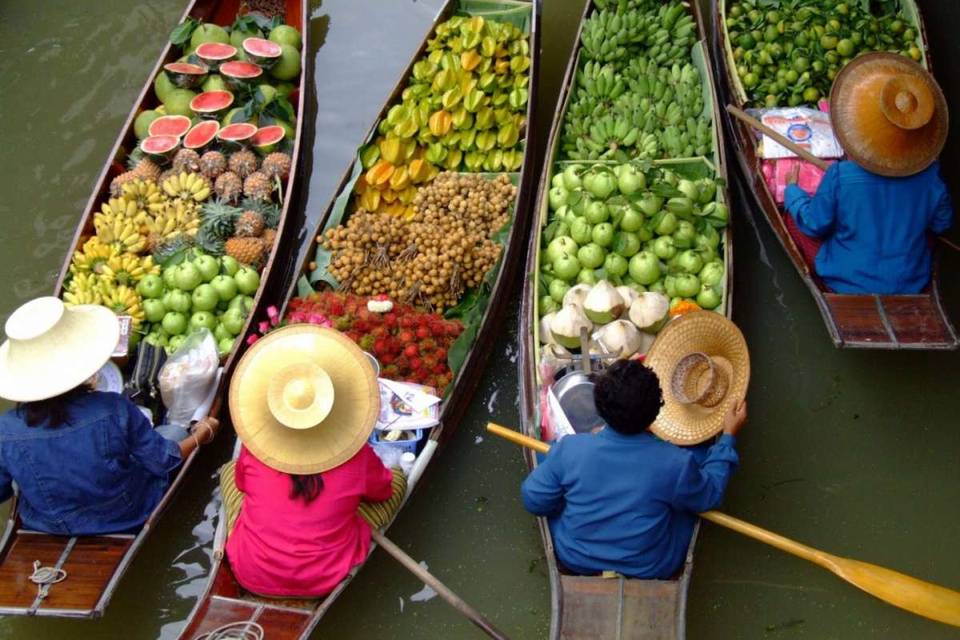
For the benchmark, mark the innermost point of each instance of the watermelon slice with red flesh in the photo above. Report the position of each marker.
(169, 126)
(160, 146)
(211, 103)
(215, 52)
(237, 132)
(261, 51)
(201, 134)
(267, 138)
(238, 72)
(185, 75)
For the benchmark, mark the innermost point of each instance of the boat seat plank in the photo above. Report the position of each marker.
(858, 319)
(651, 609)
(285, 624)
(217, 612)
(16, 590)
(606, 609)
(90, 567)
(917, 320)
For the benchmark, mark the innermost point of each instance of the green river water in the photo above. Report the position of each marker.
(852, 452)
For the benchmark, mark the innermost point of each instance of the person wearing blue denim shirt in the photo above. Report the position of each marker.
(83, 462)
(622, 499)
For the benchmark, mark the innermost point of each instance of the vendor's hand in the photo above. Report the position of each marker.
(206, 429)
(793, 175)
(736, 416)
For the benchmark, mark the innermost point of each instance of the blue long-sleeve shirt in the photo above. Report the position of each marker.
(626, 503)
(102, 472)
(874, 228)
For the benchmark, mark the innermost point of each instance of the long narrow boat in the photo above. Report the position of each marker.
(587, 606)
(917, 322)
(224, 601)
(93, 565)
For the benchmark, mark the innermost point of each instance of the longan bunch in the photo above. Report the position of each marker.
(432, 259)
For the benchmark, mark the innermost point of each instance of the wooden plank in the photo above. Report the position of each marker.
(858, 319)
(652, 609)
(16, 590)
(917, 320)
(89, 567)
(590, 608)
(284, 624)
(217, 612)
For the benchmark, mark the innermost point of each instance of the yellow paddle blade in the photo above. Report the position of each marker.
(916, 596)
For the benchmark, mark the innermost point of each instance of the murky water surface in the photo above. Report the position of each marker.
(854, 452)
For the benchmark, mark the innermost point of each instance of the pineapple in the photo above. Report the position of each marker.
(268, 210)
(243, 163)
(258, 186)
(269, 237)
(116, 185)
(219, 218)
(245, 250)
(146, 169)
(249, 225)
(212, 164)
(276, 165)
(186, 161)
(228, 186)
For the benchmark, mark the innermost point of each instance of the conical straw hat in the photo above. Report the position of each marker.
(889, 114)
(52, 348)
(304, 399)
(703, 364)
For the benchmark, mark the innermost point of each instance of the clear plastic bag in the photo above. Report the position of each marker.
(187, 376)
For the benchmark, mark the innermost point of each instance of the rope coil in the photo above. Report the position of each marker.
(45, 577)
(244, 630)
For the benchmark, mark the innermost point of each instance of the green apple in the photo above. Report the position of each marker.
(178, 301)
(229, 265)
(248, 280)
(208, 267)
(151, 286)
(188, 276)
(225, 346)
(225, 286)
(203, 320)
(154, 310)
(174, 343)
(233, 321)
(174, 323)
(242, 302)
(205, 298)
(170, 277)
(220, 332)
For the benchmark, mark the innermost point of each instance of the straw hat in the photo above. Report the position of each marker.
(703, 364)
(304, 399)
(52, 348)
(888, 114)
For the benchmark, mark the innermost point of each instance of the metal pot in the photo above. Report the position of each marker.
(574, 393)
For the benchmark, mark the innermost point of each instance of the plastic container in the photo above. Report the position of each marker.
(410, 445)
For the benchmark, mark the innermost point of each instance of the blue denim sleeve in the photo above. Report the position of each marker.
(943, 214)
(700, 486)
(158, 455)
(543, 489)
(817, 214)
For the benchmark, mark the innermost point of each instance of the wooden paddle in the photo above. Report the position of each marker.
(442, 590)
(916, 596)
(741, 115)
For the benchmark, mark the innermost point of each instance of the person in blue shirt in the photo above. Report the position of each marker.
(83, 462)
(875, 213)
(622, 499)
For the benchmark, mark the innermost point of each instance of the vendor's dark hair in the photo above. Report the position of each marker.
(307, 486)
(54, 411)
(628, 396)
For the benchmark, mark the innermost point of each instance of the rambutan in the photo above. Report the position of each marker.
(410, 351)
(416, 364)
(380, 348)
(423, 332)
(366, 342)
(406, 337)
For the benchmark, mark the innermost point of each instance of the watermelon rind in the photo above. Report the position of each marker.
(238, 133)
(261, 51)
(216, 53)
(240, 74)
(210, 104)
(267, 138)
(169, 126)
(161, 147)
(186, 75)
(201, 134)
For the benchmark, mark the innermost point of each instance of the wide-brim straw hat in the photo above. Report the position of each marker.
(703, 364)
(304, 399)
(52, 348)
(889, 114)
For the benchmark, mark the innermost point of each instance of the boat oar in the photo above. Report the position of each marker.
(743, 116)
(916, 596)
(442, 590)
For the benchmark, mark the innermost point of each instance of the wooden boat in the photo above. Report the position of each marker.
(587, 606)
(95, 564)
(224, 601)
(917, 322)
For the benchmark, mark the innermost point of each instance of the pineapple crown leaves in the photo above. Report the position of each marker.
(218, 218)
(210, 242)
(269, 211)
(173, 251)
(134, 158)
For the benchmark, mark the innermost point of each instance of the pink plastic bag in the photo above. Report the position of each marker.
(775, 173)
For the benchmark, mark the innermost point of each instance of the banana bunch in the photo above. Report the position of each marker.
(617, 33)
(120, 210)
(83, 288)
(145, 194)
(128, 268)
(124, 234)
(600, 81)
(189, 187)
(178, 217)
(92, 256)
(122, 300)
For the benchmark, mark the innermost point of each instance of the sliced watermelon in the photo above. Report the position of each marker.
(186, 75)
(169, 126)
(215, 53)
(210, 104)
(267, 138)
(238, 133)
(263, 52)
(201, 134)
(160, 146)
(239, 74)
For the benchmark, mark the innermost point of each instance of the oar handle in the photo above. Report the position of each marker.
(741, 115)
(442, 590)
(517, 438)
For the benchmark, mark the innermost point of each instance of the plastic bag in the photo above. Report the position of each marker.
(809, 128)
(187, 376)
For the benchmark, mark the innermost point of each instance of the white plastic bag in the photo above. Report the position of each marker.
(809, 128)
(188, 375)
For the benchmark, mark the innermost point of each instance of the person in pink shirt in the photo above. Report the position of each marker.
(306, 487)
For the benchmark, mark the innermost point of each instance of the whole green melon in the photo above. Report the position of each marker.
(288, 67)
(163, 85)
(209, 33)
(177, 102)
(237, 37)
(285, 34)
(141, 125)
(215, 82)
